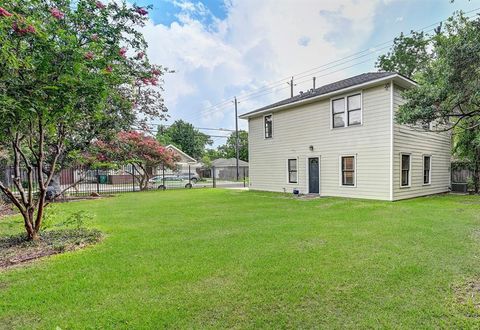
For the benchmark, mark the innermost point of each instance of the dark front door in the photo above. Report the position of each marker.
(313, 176)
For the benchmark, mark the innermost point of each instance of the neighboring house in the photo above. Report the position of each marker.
(184, 164)
(342, 140)
(226, 169)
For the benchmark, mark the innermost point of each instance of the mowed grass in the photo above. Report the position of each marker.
(222, 258)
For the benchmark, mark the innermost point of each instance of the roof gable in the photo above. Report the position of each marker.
(185, 157)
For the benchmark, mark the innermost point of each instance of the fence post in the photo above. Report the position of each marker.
(163, 175)
(244, 181)
(133, 177)
(189, 177)
(98, 182)
(213, 177)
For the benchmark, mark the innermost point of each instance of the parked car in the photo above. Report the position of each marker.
(169, 182)
(193, 177)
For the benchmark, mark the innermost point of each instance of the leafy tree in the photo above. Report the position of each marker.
(408, 55)
(185, 137)
(70, 71)
(135, 148)
(448, 93)
(466, 147)
(228, 150)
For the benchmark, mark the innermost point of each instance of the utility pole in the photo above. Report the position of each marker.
(237, 151)
(314, 78)
(291, 86)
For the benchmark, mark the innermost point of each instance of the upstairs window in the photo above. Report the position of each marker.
(268, 121)
(347, 111)
(405, 170)
(348, 171)
(354, 109)
(338, 108)
(292, 171)
(427, 164)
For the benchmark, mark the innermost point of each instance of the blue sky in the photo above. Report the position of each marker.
(221, 49)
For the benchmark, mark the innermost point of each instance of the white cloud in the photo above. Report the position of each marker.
(257, 43)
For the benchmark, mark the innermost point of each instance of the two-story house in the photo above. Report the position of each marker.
(342, 140)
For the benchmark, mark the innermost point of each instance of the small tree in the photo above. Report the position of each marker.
(135, 148)
(70, 71)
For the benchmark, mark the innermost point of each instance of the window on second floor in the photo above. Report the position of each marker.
(347, 111)
(268, 122)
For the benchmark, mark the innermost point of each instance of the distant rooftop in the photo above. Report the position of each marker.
(222, 162)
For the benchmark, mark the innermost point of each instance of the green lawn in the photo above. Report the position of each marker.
(221, 258)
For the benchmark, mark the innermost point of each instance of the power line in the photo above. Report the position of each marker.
(324, 67)
(199, 128)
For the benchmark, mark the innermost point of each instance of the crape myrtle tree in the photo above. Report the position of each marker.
(137, 149)
(448, 93)
(70, 71)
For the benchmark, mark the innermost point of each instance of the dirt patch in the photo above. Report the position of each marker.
(6, 209)
(16, 250)
(468, 298)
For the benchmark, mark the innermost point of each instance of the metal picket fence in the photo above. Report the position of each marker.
(86, 181)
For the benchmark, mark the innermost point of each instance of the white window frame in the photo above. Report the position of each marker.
(429, 170)
(409, 170)
(340, 171)
(264, 128)
(345, 110)
(288, 170)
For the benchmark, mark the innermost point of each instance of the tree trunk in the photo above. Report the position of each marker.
(476, 172)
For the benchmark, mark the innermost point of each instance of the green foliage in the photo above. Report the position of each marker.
(228, 150)
(71, 71)
(471, 183)
(55, 216)
(185, 137)
(408, 55)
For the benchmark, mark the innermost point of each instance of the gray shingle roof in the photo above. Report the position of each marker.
(349, 82)
(222, 162)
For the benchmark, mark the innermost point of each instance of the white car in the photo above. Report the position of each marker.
(169, 182)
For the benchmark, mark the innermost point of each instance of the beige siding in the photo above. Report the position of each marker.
(295, 130)
(418, 143)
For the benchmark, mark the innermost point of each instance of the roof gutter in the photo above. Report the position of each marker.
(407, 81)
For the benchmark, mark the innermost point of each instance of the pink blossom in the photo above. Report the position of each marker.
(20, 31)
(140, 55)
(154, 81)
(89, 56)
(156, 72)
(4, 12)
(146, 81)
(122, 52)
(109, 69)
(94, 37)
(100, 5)
(142, 11)
(57, 13)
